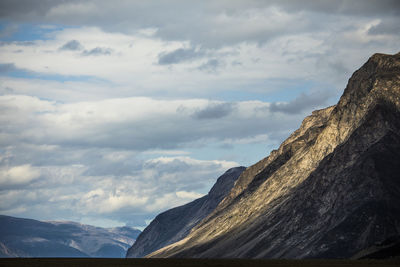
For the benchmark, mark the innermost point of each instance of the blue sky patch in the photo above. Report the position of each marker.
(28, 32)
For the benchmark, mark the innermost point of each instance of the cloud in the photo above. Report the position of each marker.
(359, 7)
(230, 22)
(72, 45)
(257, 139)
(62, 191)
(302, 102)
(17, 175)
(12, 8)
(7, 67)
(98, 51)
(188, 195)
(105, 159)
(387, 26)
(129, 68)
(178, 56)
(215, 111)
(131, 123)
(162, 17)
(210, 66)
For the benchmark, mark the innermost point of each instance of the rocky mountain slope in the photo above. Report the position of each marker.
(331, 190)
(175, 224)
(30, 238)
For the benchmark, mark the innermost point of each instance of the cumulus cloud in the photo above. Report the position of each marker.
(230, 22)
(72, 45)
(303, 102)
(97, 51)
(257, 139)
(17, 175)
(215, 111)
(210, 66)
(159, 183)
(134, 123)
(179, 55)
(345, 7)
(105, 159)
(130, 62)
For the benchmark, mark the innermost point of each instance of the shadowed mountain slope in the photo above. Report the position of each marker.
(331, 190)
(175, 224)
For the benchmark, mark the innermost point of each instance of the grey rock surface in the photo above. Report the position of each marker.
(31, 238)
(331, 190)
(175, 224)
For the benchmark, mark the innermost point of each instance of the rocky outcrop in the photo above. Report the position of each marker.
(331, 190)
(30, 238)
(175, 224)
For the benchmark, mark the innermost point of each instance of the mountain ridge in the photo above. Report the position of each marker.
(22, 237)
(366, 114)
(176, 223)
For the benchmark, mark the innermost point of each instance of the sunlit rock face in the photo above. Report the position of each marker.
(331, 190)
(175, 224)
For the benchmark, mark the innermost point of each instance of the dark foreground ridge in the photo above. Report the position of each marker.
(77, 262)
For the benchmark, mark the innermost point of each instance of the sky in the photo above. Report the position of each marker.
(114, 111)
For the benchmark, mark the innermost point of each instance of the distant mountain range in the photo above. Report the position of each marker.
(175, 224)
(331, 190)
(30, 238)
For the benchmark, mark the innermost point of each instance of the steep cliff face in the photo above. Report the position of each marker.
(331, 189)
(175, 224)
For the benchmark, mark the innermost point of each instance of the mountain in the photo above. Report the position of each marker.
(331, 190)
(175, 224)
(30, 238)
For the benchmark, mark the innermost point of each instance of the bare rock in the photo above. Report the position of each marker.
(331, 190)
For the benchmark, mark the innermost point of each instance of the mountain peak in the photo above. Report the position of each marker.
(330, 190)
(225, 182)
(385, 61)
(377, 79)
